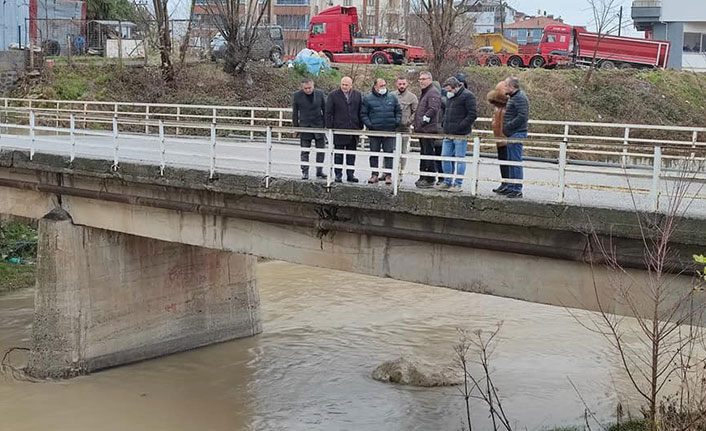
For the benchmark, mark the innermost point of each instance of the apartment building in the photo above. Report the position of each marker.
(681, 22)
(529, 30)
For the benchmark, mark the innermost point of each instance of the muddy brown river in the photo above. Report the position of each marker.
(324, 333)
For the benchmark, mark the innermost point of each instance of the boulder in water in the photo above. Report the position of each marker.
(417, 373)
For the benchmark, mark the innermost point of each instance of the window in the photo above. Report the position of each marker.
(293, 2)
(562, 39)
(293, 22)
(692, 42)
(276, 32)
(319, 28)
(537, 34)
(551, 38)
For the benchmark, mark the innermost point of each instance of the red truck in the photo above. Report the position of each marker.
(335, 32)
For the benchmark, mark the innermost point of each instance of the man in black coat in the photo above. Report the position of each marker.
(308, 107)
(343, 112)
(426, 120)
(515, 125)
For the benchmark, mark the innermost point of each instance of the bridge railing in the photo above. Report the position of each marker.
(560, 161)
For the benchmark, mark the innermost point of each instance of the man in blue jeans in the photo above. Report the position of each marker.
(458, 113)
(515, 125)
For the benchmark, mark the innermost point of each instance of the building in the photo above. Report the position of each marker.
(528, 30)
(681, 22)
(491, 16)
(40, 21)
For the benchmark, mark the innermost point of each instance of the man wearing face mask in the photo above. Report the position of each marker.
(343, 112)
(459, 113)
(308, 106)
(408, 106)
(381, 111)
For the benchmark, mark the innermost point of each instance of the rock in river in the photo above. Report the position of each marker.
(417, 373)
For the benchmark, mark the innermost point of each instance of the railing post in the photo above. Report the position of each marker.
(252, 123)
(281, 118)
(147, 119)
(213, 118)
(212, 170)
(178, 118)
(475, 166)
(396, 163)
(72, 136)
(656, 171)
(329, 137)
(31, 134)
(162, 148)
(57, 118)
(115, 143)
(562, 170)
(624, 159)
(268, 156)
(85, 114)
(694, 140)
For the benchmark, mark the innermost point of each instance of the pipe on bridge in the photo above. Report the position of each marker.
(323, 225)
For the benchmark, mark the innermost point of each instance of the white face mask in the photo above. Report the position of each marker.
(450, 94)
(382, 91)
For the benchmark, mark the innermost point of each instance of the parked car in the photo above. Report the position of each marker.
(269, 44)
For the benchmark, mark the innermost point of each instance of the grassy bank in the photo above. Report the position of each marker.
(18, 250)
(656, 97)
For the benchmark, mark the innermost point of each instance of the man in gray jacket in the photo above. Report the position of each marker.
(408, 106)
(515, 125)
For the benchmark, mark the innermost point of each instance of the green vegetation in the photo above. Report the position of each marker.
(18, 250)
(110, 9)
(633, 425)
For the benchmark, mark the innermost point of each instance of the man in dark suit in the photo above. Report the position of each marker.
(308, 106)
(343, 112)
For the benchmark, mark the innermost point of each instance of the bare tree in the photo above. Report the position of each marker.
(448, 24)
(605, 18)
(238, 23)
(187, 36)
(164, 39)
(668, 315)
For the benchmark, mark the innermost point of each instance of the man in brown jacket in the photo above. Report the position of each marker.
(408, 105)
(498, 99)
(426, 120)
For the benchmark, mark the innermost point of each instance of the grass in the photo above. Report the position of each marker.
(14, 276)
(17, 240)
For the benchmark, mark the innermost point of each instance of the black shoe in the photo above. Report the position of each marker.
(305, 175)
(321, 175)
(352, 179)
(339, 180)
(423, 184)
(502, 189)
(513, 194)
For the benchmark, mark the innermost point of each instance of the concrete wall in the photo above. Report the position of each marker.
(683, 10)
(106, 298)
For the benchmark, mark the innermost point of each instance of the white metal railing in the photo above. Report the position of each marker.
(217, 142)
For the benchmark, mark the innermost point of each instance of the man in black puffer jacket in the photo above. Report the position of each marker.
(381, 111)
(308, 107)
(459, 113)
(515, 125)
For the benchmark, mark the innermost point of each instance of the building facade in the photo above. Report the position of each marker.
(529, 30)
(681, 22)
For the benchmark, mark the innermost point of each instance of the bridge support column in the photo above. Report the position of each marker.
(105, 298)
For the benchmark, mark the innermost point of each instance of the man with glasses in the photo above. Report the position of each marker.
(426, 120)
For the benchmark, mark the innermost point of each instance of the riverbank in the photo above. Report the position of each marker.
(663, 97)
(18, 245)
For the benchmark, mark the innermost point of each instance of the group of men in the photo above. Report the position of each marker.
(450, 109)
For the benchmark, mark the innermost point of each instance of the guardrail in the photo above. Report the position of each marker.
(218, 141)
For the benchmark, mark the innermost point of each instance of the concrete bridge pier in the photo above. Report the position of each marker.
(105, 298)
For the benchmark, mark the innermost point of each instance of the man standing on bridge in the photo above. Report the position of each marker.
(343, 112)
(381, 111)
(308, 107)
(426, 120)
(408, 105)
(515, 125)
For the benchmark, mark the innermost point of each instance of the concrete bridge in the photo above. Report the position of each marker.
(143, 257)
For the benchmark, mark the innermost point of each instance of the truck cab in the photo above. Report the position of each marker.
(333, 30)
(557, 39)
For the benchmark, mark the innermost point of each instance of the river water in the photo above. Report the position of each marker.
(324, 333)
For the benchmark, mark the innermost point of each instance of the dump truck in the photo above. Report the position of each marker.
(336, 33)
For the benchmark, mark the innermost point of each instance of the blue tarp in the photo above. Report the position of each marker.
(314, 64)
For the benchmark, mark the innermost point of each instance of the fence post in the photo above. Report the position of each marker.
(147, 119)
(115, 143)
(396, 163)
(562, 170)
(212, 170)
(31, 134)
(161, 148)
(178, 118)
(329, 137)
(268, 156)
(72, 127)
(475, 167)
(85, 113)
(281, 117)
(694, 140)
(213, 118)
(656, 171)
(57, 118)
(252, 123)
(624, 159)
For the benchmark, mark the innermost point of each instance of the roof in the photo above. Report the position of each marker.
(114, 22)
(535, 22)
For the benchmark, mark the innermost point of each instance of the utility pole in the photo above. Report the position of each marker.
(620, 20)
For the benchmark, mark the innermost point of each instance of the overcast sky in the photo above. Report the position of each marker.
(575, 12)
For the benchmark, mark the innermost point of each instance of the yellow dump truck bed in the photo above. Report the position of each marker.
(497, 41)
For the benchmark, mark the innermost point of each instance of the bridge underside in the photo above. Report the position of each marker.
(531, 251)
